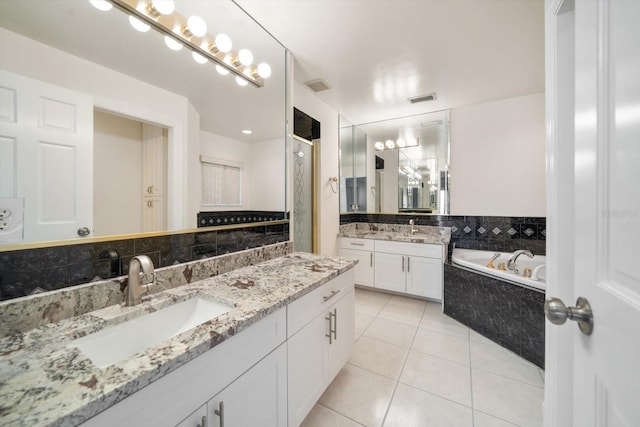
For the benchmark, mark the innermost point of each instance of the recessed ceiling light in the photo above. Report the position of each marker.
(247, 132)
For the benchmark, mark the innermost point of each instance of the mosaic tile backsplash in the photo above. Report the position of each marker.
(29, 271)
(208, 219)
(491, 233)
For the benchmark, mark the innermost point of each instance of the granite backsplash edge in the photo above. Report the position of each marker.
(22, 314)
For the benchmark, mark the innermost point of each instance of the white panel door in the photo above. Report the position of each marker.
(389, 271)
(364, 267)
(598, 384)
(49, 132)
(343, 333)
(425, 277)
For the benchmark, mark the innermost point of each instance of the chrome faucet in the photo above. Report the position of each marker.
(137, 278)
(413, 227)
(511, 262)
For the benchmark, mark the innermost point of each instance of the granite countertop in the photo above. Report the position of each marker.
(398, 233)
(45, 381)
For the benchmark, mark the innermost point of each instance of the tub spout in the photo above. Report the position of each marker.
(511, 262)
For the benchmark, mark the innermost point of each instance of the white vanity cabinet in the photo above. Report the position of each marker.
(412, 268)
(361, 250)
(320, 330)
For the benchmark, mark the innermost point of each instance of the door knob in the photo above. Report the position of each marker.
(558, 313)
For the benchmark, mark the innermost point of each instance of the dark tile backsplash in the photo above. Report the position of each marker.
(491, 233)
(26, 271)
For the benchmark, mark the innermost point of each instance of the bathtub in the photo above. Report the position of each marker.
(478, 260)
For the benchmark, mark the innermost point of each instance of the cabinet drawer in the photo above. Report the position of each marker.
(357, 244)
(302, 311)
(429, 250)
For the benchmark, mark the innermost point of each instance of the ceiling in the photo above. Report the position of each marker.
(375, 54)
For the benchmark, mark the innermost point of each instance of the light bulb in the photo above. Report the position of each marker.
(138, 24)
(245, 57)
(172, 44)
(264, 70)
(102, 5)
(390, 144)
(197, 26)
(241, 81)
(164, 7)
(221, 70)
(379, 145)
(247, 131)
(401, 142)
(223, 43)
(199, 58)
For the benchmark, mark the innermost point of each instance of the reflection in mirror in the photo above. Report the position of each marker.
(123, 121)
(403, 162)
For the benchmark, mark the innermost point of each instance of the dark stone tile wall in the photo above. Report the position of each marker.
(208, 219)
(24, 272)
(510, 315)
(490, 233)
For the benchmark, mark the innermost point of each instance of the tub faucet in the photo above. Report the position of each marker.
(511, 262)
(493, 258)
(413, 227)
(137, 278)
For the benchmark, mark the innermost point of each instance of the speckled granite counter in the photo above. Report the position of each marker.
(45, 381)
(396, 232)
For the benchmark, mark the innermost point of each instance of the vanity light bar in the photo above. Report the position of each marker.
(400, 143)
(126, 7)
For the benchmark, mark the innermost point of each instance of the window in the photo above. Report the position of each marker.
(221, 182)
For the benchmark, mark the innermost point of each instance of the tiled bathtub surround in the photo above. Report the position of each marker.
(23, 272)
(207, 219)
(492, 233)
(23, 314)
(511, 315)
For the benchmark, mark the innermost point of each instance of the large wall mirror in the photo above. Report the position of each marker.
(395, 166)
(126, 135)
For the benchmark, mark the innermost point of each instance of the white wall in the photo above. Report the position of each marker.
(115, 92)
(328, 215)
(390, 180)
(117, 175)
(498, 158)
(267, 171)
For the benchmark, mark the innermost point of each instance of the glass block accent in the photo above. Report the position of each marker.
(481, 230)
(496, 231)
(529, 232)
(466, 229)
(511, 231)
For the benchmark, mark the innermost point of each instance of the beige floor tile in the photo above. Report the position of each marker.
(369, 302)
(498, 360)
(407, 302)
(380, 357)
(361, 323)
(474, 336)
(411, 407)
(442, 345)
(445, 378)
(392, 332)
(360, 395)
(408, 315)
(442, 323)
(507, 399)
(485, 420)
(321, 416)
(434, 307)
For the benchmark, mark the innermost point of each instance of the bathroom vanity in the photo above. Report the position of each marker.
(286, 332)
(391, 257)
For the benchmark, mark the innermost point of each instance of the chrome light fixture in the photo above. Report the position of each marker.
(191, 33)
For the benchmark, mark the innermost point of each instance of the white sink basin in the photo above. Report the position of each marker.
(121, 341)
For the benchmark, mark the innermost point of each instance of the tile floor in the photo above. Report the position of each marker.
(414, 366)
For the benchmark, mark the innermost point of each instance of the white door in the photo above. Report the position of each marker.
(364, 267)
(48, 130)
(594, 380)
(424, 277)
(390, 272)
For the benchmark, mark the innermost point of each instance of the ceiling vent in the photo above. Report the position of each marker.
(317, 85)
(422, 98)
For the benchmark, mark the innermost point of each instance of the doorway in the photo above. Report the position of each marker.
(305, 150)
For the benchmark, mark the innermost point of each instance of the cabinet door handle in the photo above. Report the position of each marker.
(331, 333)
(149, 203)
(204, 422)
(371, 259)
(150, 189)
(408, 264)
(335, 324)
(220, 412)
(357, 244)
(403, 264)
(333, 294)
